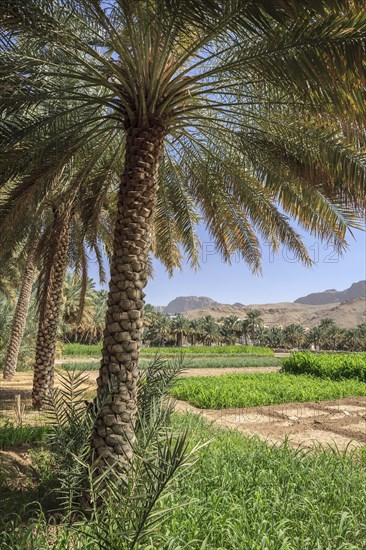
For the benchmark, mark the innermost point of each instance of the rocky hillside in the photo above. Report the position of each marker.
(332, 296)
(347, 308)
(186, 303)
(346, 315)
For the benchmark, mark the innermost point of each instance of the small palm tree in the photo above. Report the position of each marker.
(275, 337)
(180, 327)
(210, 329)
(161, 329)
(195, 330)
(21, 311)
(327, 328)
(294, 335)
(243, 328)
(94, 332)
(247, 113)
(228, 329)
(314, 337)
(255, 322)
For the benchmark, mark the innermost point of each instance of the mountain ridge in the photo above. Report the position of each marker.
(332, 296)
(347, 310)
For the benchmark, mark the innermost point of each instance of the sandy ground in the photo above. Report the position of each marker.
(341, 422)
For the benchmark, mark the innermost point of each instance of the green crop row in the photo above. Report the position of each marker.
(333, 366)
(205, 362)
(244, 494)
(211, 350)
(250, 390)
(82, 350)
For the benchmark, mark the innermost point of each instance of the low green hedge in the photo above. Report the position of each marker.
(82, 350)
(333, 366)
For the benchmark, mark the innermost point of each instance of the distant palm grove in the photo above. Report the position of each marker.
(171, 330)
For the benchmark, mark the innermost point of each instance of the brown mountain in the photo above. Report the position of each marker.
(332, 296)
(347, 308)
(346, 314)
(186, 303)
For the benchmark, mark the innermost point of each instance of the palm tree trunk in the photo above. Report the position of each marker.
(179, 339)
(50, 311)
(113, 435)
(20, 314)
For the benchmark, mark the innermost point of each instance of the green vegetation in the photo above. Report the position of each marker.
(206, 362)
(241, 493)
(212, 350)
(245, 494)
(83, 350)
(250, 390)
(12, 435)
(334, 366)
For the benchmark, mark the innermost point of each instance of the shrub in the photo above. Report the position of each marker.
(333, 366)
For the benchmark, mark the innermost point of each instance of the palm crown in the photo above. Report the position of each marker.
(247, 98)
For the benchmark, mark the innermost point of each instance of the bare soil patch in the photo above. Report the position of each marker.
(340, 423)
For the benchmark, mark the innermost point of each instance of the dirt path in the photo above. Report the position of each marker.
(341, 422)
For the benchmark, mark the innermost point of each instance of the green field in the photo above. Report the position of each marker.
(191, 363)
(249, 390)
(240, 494)
(334, 366)
(244, 494)
(82, 350)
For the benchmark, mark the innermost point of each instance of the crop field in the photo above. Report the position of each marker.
(244, 494)
(82, 350)
(241, 493)
(249, 390)
(333, 366)
(206, 362)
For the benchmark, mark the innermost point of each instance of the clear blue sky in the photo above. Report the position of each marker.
(283, 280)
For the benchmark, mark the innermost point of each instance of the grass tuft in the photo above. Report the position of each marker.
(12, 435)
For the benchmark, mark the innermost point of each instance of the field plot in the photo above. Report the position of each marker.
(205, 362)
(82, 350)
(335, 366)
(249, 390)
(336, 421)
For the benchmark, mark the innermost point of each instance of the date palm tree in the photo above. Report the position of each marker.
(195, 330)
(254, 109)
(228, 329)
(210, 330)
(294, 335)
(243, 327)
(180, 327)
(255, 322)
(21, 311)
